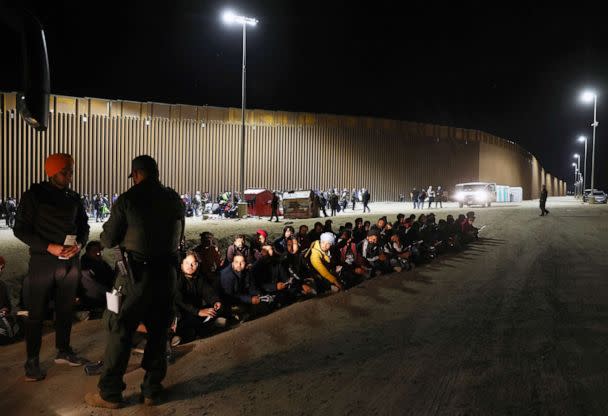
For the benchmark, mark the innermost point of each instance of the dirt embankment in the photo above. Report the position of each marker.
(514, 325)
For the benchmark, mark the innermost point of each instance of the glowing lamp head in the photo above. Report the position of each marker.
(588, 96)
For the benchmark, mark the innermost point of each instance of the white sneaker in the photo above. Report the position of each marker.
(176, 340)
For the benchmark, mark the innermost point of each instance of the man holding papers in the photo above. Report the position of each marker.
(53, 223)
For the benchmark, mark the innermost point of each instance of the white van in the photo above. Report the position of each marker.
(475, 193)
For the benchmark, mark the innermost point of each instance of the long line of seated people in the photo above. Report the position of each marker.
(257, 275)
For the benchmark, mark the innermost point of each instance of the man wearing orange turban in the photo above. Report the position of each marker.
(52, 221)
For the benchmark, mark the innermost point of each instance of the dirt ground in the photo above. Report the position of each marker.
(515, 325)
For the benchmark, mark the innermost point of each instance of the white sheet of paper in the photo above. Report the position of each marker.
(70, 240)
(113, 301)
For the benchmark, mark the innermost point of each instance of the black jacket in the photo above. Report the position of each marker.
(146, 221)
(267, 272)
(46, 214)
(237, 288)
(5, 300)
(194, 294)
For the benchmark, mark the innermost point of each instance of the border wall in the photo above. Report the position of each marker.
(197, 148)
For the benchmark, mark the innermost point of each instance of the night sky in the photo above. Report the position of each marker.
(514, 72)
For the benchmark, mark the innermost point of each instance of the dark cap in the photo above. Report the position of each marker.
(144, 163)
(471, 214)
(373, 231)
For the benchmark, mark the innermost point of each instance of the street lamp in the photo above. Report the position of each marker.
(578, 166)
(584, 139)
(575, 177)
(229, 18)
(587, 97)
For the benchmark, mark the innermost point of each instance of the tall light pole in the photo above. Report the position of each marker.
(584, 139)
(229, 18)
(578, 166)
(588, 96)
(575, 178)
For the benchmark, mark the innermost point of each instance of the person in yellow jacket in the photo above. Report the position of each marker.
(320, 260)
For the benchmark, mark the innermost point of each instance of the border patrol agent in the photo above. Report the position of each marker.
(147, 222)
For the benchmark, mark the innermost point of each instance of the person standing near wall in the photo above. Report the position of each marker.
(431, 195)
(52, 221)
(415, 194)
(147, 223)
(543, 201)
(274, 206)
(366, 197)
(439, 197)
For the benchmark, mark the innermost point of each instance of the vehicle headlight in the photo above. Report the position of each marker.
(481, 195)
(458, 196)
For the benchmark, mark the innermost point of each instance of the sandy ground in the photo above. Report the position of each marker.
(515, 325)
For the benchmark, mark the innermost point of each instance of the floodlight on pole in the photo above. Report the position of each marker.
(575, 177)
(584, 139)
(229, 17)
(589, 96)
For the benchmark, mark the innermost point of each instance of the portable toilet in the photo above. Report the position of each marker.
(516, 194)
(258, 202)
(502, 193)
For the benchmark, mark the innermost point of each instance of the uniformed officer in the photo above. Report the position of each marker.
(53, 223)
(147, 223)
(543, 201)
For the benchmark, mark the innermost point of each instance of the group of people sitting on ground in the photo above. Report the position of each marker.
(256, 276)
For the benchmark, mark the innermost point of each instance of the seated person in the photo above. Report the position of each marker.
(349, 257)
(240, 296)
(359, 232)
(302, 236)
(96, 279)
(10, 330)
(454, 232)
(280, 245)
(5, 300)
(210, 261)
(315, 234)
(269, 276)
(259, 239)
(294, 267)
(469, 232)
(239, 246)
(398, 254)
(371, 250)
(198, 305)
(327, 276)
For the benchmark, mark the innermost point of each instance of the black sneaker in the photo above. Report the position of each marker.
(70, 357)
(33, 371)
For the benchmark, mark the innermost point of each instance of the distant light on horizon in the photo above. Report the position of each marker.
(573, 164)
(577, 155)
(582, 139)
